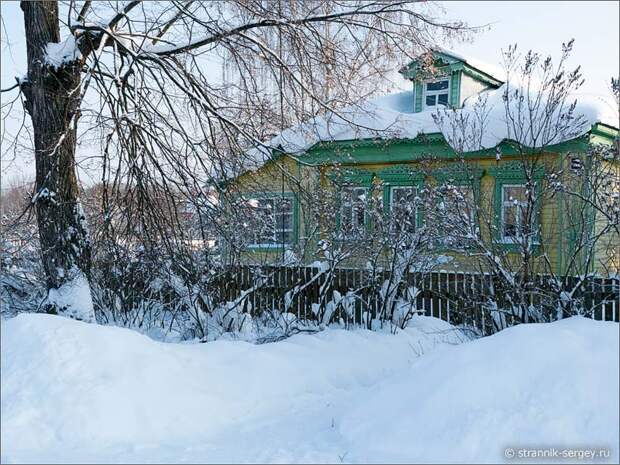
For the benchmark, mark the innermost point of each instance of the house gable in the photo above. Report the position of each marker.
(464, 79)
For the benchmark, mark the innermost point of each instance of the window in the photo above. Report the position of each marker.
(458, 203)
(456, 213)
(353, 212)
(436, 93)
(271, 221)
(404, 209)
(514, 207)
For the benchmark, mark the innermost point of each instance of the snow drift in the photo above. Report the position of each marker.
(74, 392)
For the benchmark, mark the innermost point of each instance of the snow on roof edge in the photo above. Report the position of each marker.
(489, 69)
(391, 117)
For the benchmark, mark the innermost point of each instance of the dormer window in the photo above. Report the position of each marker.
(454, 79)
(436, 93)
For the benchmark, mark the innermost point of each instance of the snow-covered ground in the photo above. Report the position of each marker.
(75, 392)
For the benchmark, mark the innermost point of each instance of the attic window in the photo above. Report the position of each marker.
(436, 93)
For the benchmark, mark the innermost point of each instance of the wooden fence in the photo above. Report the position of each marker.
(457, 297)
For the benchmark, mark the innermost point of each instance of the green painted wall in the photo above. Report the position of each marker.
(417, 96)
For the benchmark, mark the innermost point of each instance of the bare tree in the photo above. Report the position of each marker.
(52, 98)
(538, 109)
(21, 281)
(137, 73)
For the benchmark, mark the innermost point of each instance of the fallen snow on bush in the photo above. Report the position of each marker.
(75, 392)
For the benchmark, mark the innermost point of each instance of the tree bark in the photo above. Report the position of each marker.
(52, 100)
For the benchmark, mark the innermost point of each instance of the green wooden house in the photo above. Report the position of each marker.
(342, 172)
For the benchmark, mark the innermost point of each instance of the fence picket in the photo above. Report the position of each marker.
(457, 297)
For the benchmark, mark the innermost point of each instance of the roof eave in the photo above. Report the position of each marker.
(412, 72)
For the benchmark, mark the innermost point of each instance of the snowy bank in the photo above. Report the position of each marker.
(75, 392)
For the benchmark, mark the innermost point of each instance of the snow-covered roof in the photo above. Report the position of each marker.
(495, 71)
(391, 117)
(444, 58)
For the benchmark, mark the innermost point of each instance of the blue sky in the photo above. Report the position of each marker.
(541, 26)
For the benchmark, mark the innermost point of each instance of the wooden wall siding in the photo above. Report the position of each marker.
(551, 231)
(553, 215)
(455, 89)
(457, 297)
(417, 95)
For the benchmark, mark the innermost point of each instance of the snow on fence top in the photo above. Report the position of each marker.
(391, 117)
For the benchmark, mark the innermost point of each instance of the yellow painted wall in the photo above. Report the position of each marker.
(285, 174)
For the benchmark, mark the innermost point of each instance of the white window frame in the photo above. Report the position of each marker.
(462, 188)
(509, 239)
(275, 243)
(426, 92)
(352, 235)
(416, 209)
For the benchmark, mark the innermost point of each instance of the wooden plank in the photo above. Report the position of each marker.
(457, 297)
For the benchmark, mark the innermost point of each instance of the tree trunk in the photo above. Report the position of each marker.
(52, 100)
